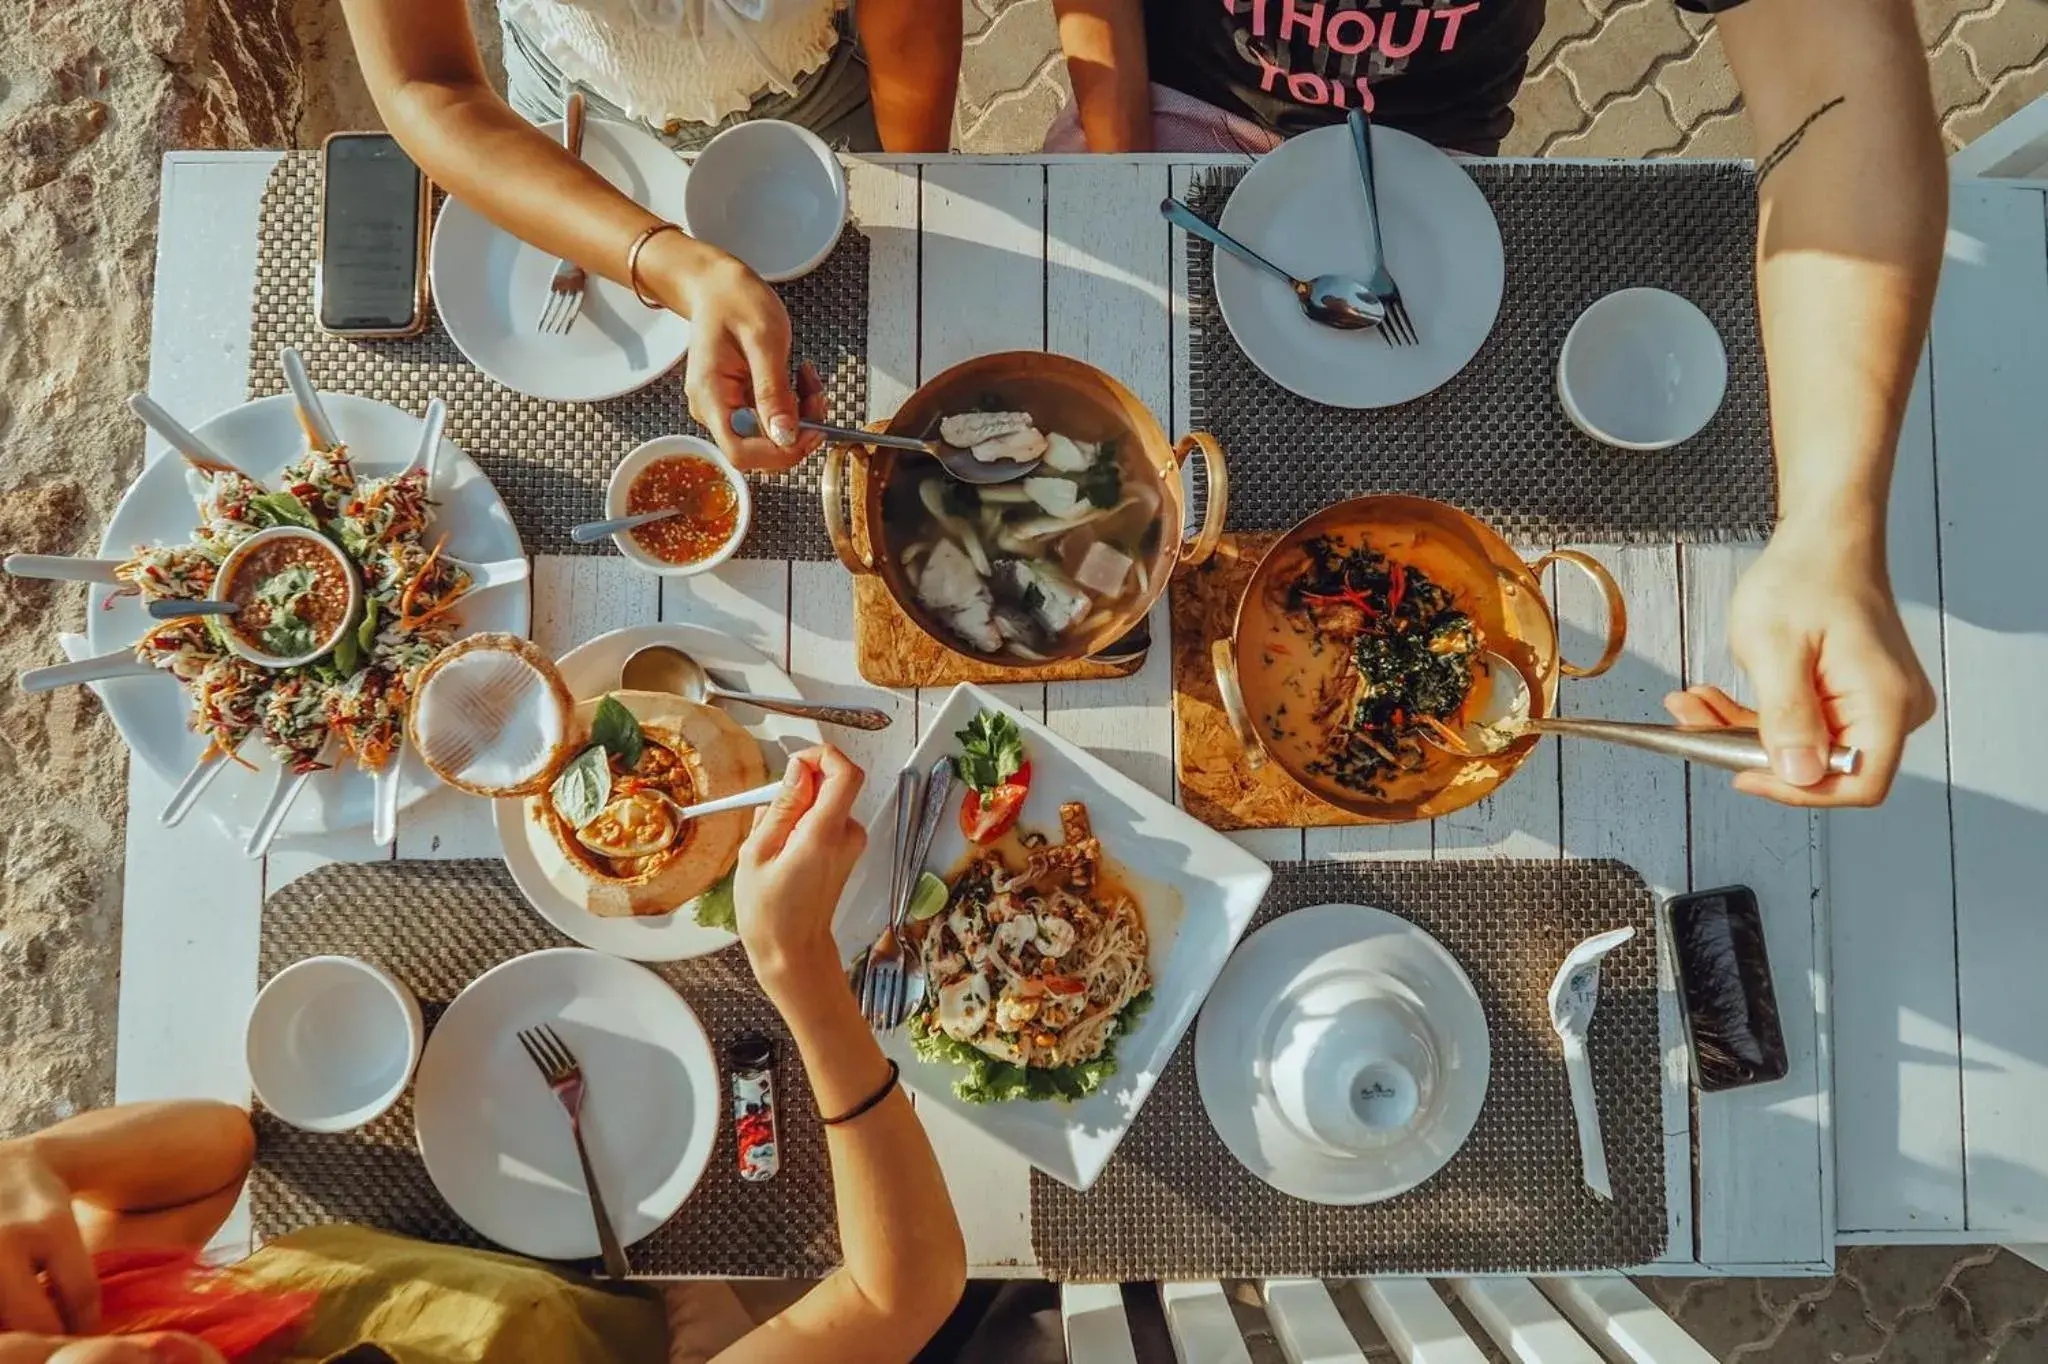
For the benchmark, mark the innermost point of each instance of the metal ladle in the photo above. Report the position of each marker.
(1497, 713)
(663, 667)
(961, 464)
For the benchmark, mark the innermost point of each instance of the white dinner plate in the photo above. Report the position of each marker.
(1301, 206)
(489, 288)
(496, 1141)
(592, 669)
(154, 714)
(1199, 890)
(1234, 1040)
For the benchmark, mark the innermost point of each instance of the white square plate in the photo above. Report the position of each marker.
(1219, 886)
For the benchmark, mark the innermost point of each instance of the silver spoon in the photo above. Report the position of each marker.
(177, 608)
(1497, 713)
(319, 427)
(590, 532)
(961, 464)
(663, 667)
(1333, 300)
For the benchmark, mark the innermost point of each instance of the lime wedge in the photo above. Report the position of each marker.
(929, 897)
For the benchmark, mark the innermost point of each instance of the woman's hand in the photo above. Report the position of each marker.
(793, 867)
(164, 1347)
(1815, 626)
(47, 1284)
(739, 354)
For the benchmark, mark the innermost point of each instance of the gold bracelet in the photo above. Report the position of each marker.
(633, 260)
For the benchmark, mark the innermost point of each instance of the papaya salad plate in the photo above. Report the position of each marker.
(340, 715)
(1066, 924)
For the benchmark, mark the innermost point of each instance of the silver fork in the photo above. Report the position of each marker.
(564, 1074)
(1399, 328)
(565, 291)
(881, 982)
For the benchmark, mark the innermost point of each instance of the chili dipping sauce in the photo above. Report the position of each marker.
(710, 509)
(291, 595)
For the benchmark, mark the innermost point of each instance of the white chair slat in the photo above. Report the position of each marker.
(1096, 1328)
(1307, 1324)
(1416, 1323)
(1615, 1315)
(2017, 149)
(1522, 1322)
(1203, 1328)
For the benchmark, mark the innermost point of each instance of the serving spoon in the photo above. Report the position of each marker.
(1497, 714)
(663, 667)
(1334, 300)
(319, 426)
(961, 464)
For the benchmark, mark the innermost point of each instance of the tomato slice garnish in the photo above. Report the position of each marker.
(986, 816)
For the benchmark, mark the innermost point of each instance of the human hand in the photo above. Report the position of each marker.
(47, 1284)
(1815, 626)
(162, 1347)
(739, 357)
(794, 866)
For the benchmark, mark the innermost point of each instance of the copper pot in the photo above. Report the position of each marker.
(1063, 394)
(1258, 667)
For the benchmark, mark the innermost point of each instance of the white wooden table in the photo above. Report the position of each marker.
(1926, 908)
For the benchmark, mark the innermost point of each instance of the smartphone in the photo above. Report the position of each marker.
(374, 204)
(1724, 980)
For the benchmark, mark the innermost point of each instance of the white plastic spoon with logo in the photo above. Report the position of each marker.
(1574, 994)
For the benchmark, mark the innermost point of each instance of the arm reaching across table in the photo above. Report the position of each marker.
(1851, 216)
(420, 60)
(1104, 42)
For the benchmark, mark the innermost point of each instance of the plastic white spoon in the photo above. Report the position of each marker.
(497, 573)
(384, 799)
(63, 568)
(744, 800)
(282, 795)
(192, 788)
(428, 456)
(196, 452)
(99, 668)
(1574, 994)
(319, 427)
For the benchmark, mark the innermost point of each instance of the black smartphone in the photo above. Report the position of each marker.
(1724, 979)
(374, 203)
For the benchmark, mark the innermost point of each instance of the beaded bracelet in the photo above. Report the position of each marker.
(865, 1104)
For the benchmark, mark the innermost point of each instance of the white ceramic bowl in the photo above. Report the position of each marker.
(263, 658)
(771, 193)
(1353, 1067)
(1642, 369)
(661, 447)
(331, 1043)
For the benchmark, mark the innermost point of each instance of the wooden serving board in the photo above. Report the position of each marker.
(1217, 785)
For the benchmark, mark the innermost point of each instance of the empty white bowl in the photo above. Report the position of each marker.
(1353, 1067)
(1642, 369)
(771, 193)
(620, 486)
(332, 1042)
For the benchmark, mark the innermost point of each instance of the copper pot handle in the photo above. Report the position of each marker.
(1196, 552)
(858, 559)
(1224, 660)
(1617, 608)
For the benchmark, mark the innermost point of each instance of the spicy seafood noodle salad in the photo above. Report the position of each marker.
(358, 690)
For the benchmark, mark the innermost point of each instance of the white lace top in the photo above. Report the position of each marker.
(693, 60)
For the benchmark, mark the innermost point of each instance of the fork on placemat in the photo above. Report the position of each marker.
(564, 303)
(564, 1074)
(1399, 328)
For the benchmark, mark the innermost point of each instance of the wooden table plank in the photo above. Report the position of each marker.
(1892, 924)
(1766, 1153)
(1990, 370)
(1629, 805)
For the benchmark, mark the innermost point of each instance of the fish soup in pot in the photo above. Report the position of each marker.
(1057, 565)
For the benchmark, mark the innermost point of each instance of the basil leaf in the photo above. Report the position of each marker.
(348, 653)
(281, 509)
(615, 728)
(583, 788)
(991, 750)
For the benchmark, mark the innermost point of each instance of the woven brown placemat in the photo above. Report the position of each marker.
(1175, 1204)
(549, 461)
(1493, 440)
(437, 926)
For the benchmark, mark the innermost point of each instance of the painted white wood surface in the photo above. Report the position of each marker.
(1615, 1314)
(1766, 1153)
(1412, 1316)
(1991, 368)
(1764, 1204)
(1307, 1324)
(1522, 1322)
(1892, 927)
(1096, 1328)
(1201, 1325)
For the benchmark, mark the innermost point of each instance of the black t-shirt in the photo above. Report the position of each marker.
(1441, 69)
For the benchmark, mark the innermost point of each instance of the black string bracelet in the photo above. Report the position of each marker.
(865, 1104)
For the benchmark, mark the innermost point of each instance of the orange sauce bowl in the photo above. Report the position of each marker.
(687, 472)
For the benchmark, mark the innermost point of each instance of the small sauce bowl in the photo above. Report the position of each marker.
(224, 582)
(618, 493)
(331, 1043)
